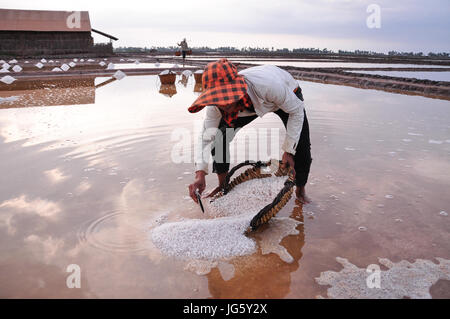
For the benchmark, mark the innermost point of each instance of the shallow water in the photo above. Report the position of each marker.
(337, 64)
(435, 76)
(123, 66)
(323, 63)
(84, 182)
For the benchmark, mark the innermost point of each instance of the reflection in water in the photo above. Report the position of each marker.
(49, 92)
(113, 232)
(106, 82)
(184, 80)
(198, 88)
(261, 275)
(168, 90)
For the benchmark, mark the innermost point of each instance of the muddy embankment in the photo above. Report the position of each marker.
(410, 86)
(339, 76)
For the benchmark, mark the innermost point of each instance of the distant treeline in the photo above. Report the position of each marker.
(250, 50)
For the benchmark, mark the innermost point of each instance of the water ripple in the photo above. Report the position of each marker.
(113, 232)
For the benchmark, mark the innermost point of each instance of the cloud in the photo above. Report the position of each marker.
(406, 24)
(23, 205)
(41, 207)
(55, 175)
(44, 248)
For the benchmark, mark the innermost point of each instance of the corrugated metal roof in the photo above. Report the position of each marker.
(37, 20)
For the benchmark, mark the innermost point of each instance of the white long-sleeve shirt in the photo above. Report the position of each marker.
(183, 45)
(270, 88)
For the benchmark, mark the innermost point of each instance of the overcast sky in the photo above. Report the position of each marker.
(406, 25)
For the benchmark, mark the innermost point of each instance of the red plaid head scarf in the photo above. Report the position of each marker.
(222, 85)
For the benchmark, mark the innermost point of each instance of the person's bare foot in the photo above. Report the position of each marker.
(301, 196)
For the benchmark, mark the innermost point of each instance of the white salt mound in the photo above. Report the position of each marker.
(9, 99)
(51, 61)
(7, 79)
(102, 63)
(402, 279)
(65, 67)
(4, 70)
(17, 68)
(39, 65)
(199, 71)
(72, 64)
(164, 72)
(205, 239)
(110, 66)
(13, 61)
(43, 61)
(119, 75)
(56, 70)
(218, 238)
(6, 66)
(91, 60)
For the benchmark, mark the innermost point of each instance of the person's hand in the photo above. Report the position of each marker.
(198, 184)
(288, 160)
(214, 192)
(221, 177)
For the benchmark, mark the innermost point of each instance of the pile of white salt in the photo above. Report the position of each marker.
(221, 236)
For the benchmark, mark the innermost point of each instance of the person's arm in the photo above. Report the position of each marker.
(202, 150)
(287, 101)
(205, 138)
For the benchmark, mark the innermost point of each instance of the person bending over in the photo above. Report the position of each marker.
(233, 100)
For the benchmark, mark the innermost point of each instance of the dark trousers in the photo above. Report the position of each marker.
(302, 157)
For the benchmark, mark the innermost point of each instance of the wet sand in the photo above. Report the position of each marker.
(85, 183)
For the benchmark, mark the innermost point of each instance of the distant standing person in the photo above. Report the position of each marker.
(184, 48)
